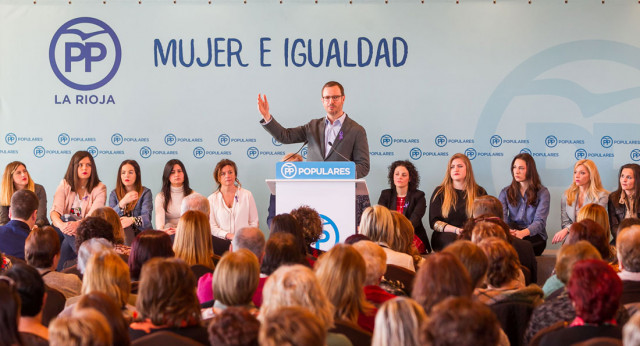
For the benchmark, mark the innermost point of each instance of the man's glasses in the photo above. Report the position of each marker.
(329, 98)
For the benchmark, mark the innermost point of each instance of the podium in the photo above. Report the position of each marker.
(328, 187)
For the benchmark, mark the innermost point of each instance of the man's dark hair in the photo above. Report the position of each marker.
(23, 203)
(332, 84)
(30, 286)
(94, 227)
(41, 246)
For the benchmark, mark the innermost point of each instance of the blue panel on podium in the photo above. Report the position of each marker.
(316, 170)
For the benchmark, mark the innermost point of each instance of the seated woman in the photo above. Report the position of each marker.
(452, 201)
(232, 207)
(595, 290)
(586, 188)
(296, 285)
(16, 177)
(342, 273)
(175, 187)
(625, 201)
(77, 196)
(286, 223)
(595, 234)
(109, 215)
(108, 308)
(376, 260)
(405, 198)
(193, 240)
(398, 323)
(525, 203)
(145, 246)
(377, 224)
(597, 213)
(311, 224)
(132, 201)
(404, 238)
(83, 327)
(167, 301)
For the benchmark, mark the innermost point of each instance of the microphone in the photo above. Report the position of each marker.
(294, 154)
(337, 152)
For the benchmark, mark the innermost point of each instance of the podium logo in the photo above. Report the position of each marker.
(288, 170)
(85, 53)
(330, 234)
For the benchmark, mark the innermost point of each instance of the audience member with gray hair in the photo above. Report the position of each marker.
(195, 201)
(628, 252)
(88, 248)
(250, 238)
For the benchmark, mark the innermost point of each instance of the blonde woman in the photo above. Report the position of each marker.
(193, 242)
(235, 280)
(84, 327)
(342, 273)
(398, 323)
(377, 224)
(16, 177)
(110, 215)
(586, 188)
(404, 235)
(452, 201)
(597, 213)
(296, 285)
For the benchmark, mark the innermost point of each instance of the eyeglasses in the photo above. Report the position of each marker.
(328, 98)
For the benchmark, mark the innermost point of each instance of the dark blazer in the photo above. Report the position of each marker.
(12, 238)
(416, 207)
(616, 213)
(352, 144)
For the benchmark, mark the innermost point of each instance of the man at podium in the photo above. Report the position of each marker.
(335, 137)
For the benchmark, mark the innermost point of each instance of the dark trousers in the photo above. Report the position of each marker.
(440, 240)
(539, 244)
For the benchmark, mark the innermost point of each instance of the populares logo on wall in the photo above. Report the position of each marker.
(85, 55)
(330, 234)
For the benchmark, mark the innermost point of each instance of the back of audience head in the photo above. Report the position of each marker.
(292, 326)
(250, 238)
(30, 286)
(375, 259)
(24, 204)
(193, 243)
(41, 247)
(9, 312)
(234, 326)
(487, 206)
(377, 223)
(398, 323)
(595, 290)
(90, 247)
(108, 273)
(86, 327)
(461, 321)
(106, 306)
(597, 213)
(296, 285)
(147, 245)
(94, 227)
(631, 331)
(311, 223)
(342, 272)
(402, 236)
(195, 201)
(628, 248)
(441, 275)
(570, 254)
(166, 295)
(489, 227)
(110, 215)
(354, 238)
(286, 223)
(236, 278)
(281, 248)
(472, 258)
(504, 265)
(592, 232)
(628, 222)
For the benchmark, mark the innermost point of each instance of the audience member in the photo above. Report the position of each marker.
(32, 294)
(405, 239)
(472, 258)
(281, 248)
(377, 224)
(311, 224)
(193, 242)
(398, 323)
(108, 307)
(94, 227)
(628, 252)
(145, 246)
(292, 326)
(195, 202)
(375, 259)
(286, 223)
(597, 213)
(23, 213)
(235, 326)
(87, 249)
(9, 312)
(109, 215)
(441, 276)
(86, 327)
(631, 331)
(235, 280)
(592, 232)
(567, 256)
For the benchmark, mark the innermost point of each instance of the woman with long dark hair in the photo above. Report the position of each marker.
(625, 201)
(132, 201)
(525, 203)
(175, 187)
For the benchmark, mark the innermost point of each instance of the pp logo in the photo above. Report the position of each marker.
(441, 140)
(253, 152)
(85, 53)
(551, 141)
(116, 139)
(415, 153)
(275, 142)
(495, 141)
(224, 140)
(471, 153)
(525, 151)
(386, 140)
(11, 138)
(198, 152)
(288, 170)
(581, 154)
(606, 142)
(93, 151)
(303, 152)
(330, 234)
(63, 139)
(170, 139)
(145, 152)
(635, 154)
(38, 151)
